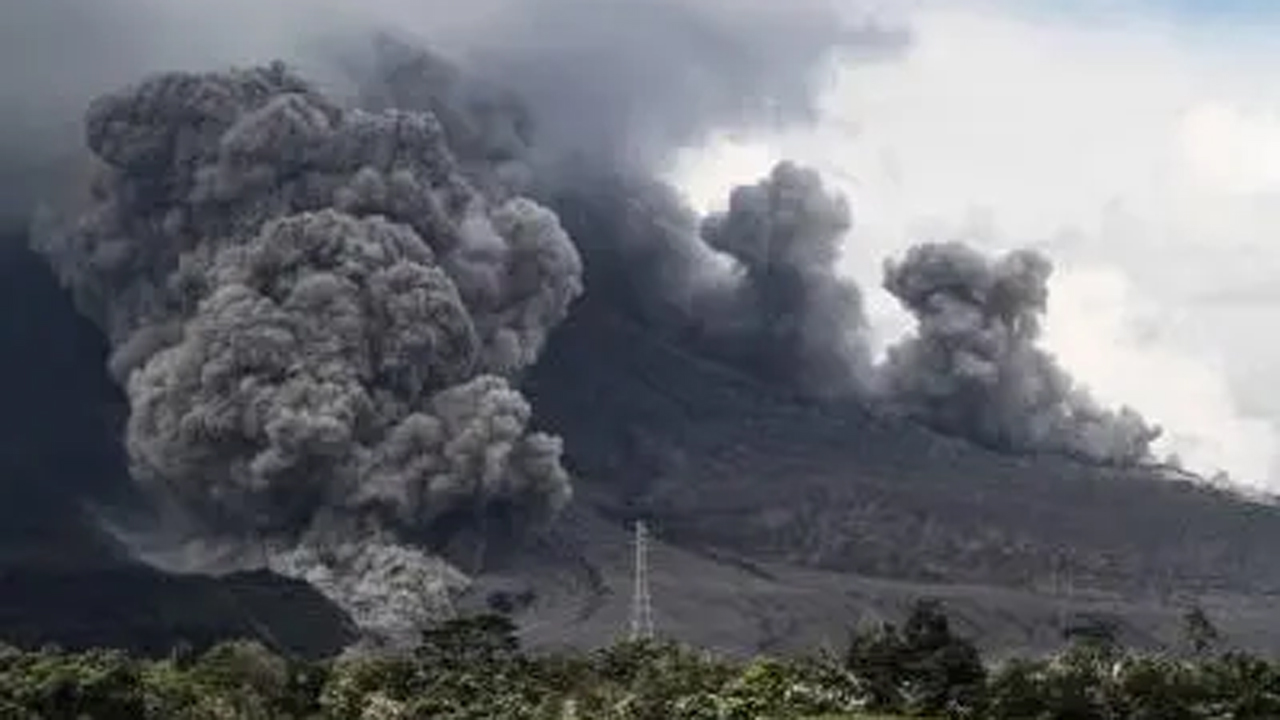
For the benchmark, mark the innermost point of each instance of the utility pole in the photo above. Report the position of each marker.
(641, 602)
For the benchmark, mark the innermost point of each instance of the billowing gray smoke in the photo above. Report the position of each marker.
(973, 369)
(319, 312)
(314, 313)
(789, 317)
(756, 286)
(599, 114)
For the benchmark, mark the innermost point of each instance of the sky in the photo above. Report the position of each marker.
(1136, 142)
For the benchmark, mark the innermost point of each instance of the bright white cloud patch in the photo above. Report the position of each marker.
(1143, 156)
(1232, 151)
(1111, 340)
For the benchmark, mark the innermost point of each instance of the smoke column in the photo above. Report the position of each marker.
(756, 287)
(589, 139)
(317, 312)
(320, 303)
(797, 322)
(973, 369)
(314, 315)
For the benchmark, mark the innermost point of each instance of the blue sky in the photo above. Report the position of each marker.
(1239, 13)
(1217, 8)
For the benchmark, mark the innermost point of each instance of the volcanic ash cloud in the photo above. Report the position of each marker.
(316, 316)
(973, 368)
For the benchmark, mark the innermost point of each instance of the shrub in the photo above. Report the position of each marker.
(352, 684)
(923, 668)
(474, 668)
(51, 684)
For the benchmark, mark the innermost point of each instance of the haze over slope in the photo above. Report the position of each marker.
(323, 294)
(720, 461)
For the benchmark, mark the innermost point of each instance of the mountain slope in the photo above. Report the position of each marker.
(778, 523)
(61, 579)
(720, 461)
(831, 497)
(579, 580)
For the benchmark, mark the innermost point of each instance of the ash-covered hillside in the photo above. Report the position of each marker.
(718, 460)
(722, 466)
(412, 326)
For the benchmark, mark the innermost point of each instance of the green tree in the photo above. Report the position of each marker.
(51, 684)
(1198, 631)
(479, 641)
(1094, 636)
(923, 667)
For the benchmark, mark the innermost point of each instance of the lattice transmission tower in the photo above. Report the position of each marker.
(641, 601)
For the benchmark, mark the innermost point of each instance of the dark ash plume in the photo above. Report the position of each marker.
(625, 82)
(490, 129)
(195, 161)
(756, 287)
(789, 317)
(314, 312)
(973, 369)
(320, 313)
(598, 108)
(358, 387)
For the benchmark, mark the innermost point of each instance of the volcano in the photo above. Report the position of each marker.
(360, 335)
(782, 523)
(778, 523)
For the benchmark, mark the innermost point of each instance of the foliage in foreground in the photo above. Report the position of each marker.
(474, 668)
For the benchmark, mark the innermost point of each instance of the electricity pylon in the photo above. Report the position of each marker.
(641, 602)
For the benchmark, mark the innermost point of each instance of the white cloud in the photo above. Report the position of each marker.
(1110, 339)
(1228, 150)
(1144, 156)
